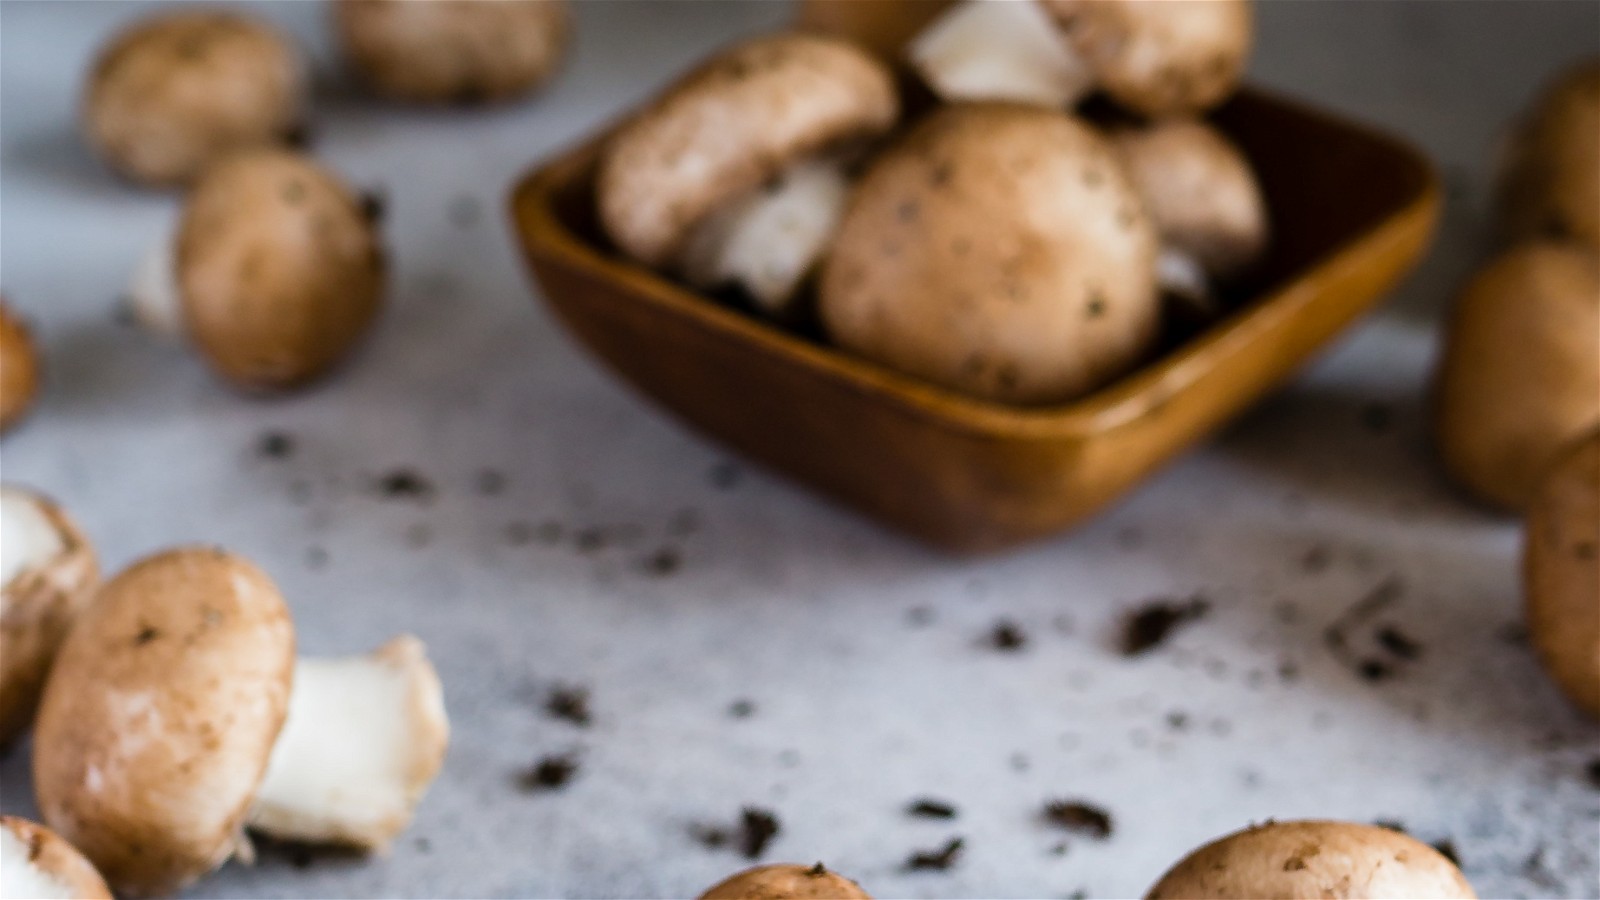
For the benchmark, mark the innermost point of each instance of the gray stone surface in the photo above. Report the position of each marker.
(780, 599)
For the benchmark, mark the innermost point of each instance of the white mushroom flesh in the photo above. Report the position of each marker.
(153, 292)
(21, 878)
(363, 738)
(28, 536)
(769, 241)
(1000, 50)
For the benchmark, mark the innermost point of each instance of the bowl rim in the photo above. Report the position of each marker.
(1146, 388)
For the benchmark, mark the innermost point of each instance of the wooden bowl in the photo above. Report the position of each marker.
(1352, 211)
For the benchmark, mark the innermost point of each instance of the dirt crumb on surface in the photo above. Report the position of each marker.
(926, 808)
(404, 484)
(940, 860)
(275, 445)
(569, 703)
(1152, 624)
(549, 773)
(1007, 637)
(1080, 818)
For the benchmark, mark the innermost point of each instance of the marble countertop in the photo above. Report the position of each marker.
(745, 644)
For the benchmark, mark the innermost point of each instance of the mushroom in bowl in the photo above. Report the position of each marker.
(737, 174)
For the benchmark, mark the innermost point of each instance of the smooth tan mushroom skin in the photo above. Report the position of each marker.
(730, 125)
(175, 93)
(280, 271)
(786, 882)
(1311, 860)
(997, 250)
(1201, 192)
(1519, 379)
(57, 858)
(19, 369)
(159, 716)
(37, 607)
(445, 52)
(1161, 58)
(1561, 574)
(1550, 177)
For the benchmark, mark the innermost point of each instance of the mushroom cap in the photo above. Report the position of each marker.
(174, 93)
(280, 270)
(998, 250)
(786, 881)
(1200, 191)
(1313, 859)
(1519, 378)
(1550, 179)
(1161, 58)
(57, 868)
(159, 716)
(38, 602)
(453, 52)
(19, 369)
(731, 124)
(1561, 571)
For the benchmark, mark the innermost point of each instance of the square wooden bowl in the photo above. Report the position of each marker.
(1352, 210)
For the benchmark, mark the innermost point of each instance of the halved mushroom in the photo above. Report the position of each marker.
(999, 250)
(1561, 573)
(169, 699)
(1203, 196)
(1550, 176)
(49, 574)
(1157, 58)
(175, 93)
(786, 882)
(440, 52)
(36, 864)
(736, 174)
(280, 270)
(19, 369)
(1313, 859)
(1519, 378)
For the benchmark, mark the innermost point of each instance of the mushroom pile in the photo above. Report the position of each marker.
(1517, 390)
(1001, 244)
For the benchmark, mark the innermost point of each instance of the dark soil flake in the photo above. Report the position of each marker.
(1007, 637)
(405, 484)
(570, 704)
(1151, 625)
(1593, 772)
(941, 860)
(931, 809)
(1081, 818)
(548, 774)
(275, 445)
(757, 828)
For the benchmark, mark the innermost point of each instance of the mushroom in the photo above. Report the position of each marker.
(1203, 197)
(48, 573)
(1550, 176)
(1519, 378)
(736, 175)
(36, 864)
(279, 269)
(998, 250)
(1157, 58)
(175, 93)
(786, 882)
(443, 52)
(19, 369)
(1313, 859)
(1561, 573)
(162, 732)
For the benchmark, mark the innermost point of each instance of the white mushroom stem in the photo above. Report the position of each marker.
(1000, 50)
(1180, 275)
(29, 538)
(21, 876)
(153, 292)
(769, 241)
(365, 736)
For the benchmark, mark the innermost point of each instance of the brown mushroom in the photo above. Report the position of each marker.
(175, 93)
(786, 882)
(1561, 573)
(36, 864)
(19, 369)
(1550, 177)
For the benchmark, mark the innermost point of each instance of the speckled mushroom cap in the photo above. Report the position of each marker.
(1561, 571)
(159, 715)
(998, 250)
(174, 93)
(730, 125)
(786, 881)
(453, 52)
(1160, 57)
(1550, 178)
(1313, 859)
